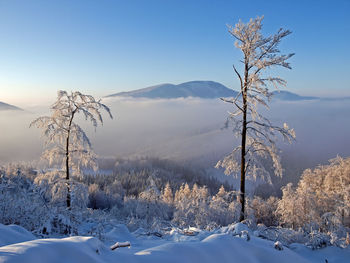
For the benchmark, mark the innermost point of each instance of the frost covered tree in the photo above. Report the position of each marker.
(290, 208)
(21, 202)
(191, 206)
(258, 135)
(322, 195)
(168, 200)
(167, 195)
(223, 210)
(66, 142)
(264, 210)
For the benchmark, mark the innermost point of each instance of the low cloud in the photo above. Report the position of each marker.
(188, 130)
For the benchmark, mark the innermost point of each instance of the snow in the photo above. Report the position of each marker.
(226, 245)
(12, 234)
(70, 249)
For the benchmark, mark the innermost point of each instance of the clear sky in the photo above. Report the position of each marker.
(102, 47)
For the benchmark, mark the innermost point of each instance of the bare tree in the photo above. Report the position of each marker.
(258, 134)
(66, 142)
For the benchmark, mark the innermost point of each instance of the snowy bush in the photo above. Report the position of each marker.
(318, 240)
(22, 203)
(58, 224)
(284, 235)
(54, 187)
(191, 206)
(264, 210)
(98, 199)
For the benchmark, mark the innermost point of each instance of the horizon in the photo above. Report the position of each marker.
(26, 105)
(112, 47)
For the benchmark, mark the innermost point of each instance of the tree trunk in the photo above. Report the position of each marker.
(67, 161)
(243, 143)
(67, 172)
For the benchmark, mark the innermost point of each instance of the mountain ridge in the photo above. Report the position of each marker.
(204, 89)
(6, 106)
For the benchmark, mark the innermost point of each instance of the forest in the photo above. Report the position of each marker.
(158, 195)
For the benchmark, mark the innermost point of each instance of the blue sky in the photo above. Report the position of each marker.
(103, 47)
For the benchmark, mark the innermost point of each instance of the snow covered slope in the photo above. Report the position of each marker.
(12, 234)
(219, 247)
(65, 250)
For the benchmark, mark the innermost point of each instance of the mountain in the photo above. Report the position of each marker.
(289, 96)
(201, 89)
(5, 106)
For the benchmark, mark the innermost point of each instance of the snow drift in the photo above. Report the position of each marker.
(12, 234)
(229, 246)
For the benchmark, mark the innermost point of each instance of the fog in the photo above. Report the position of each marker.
(188, 130)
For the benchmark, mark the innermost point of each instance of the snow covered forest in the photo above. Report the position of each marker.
(162, 201)
(157, 195)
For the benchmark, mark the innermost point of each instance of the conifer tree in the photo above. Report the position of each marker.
(167, 195)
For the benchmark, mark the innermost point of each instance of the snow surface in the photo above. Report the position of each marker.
(12, 234)
(224, 246)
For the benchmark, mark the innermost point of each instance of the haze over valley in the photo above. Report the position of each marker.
(191, 130)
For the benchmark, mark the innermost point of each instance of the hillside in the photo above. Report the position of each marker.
(5, 106)
(289, 96)
(201, 89)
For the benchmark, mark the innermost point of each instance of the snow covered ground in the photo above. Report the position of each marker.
(19, 245)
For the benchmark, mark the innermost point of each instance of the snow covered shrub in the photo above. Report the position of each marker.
(105, 195)
(183, 215)
(224, 208)
(297, 208)
(57, 224)
(54, 187)
(79, 195)
(97, 199)
(318, 240)
(25, 169)
(195, 207)
(115, 192)
(330, 223)
(264, 210)
(127, 210)
(245, 235)
(145, 211)
(236, 229)
(149, 207)
(21, 203)
(191, 206)
(168, 202)
(284, 235)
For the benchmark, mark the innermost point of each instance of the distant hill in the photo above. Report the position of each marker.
(204, 89)
(5, 106)
(201, 89)
(289, 96)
